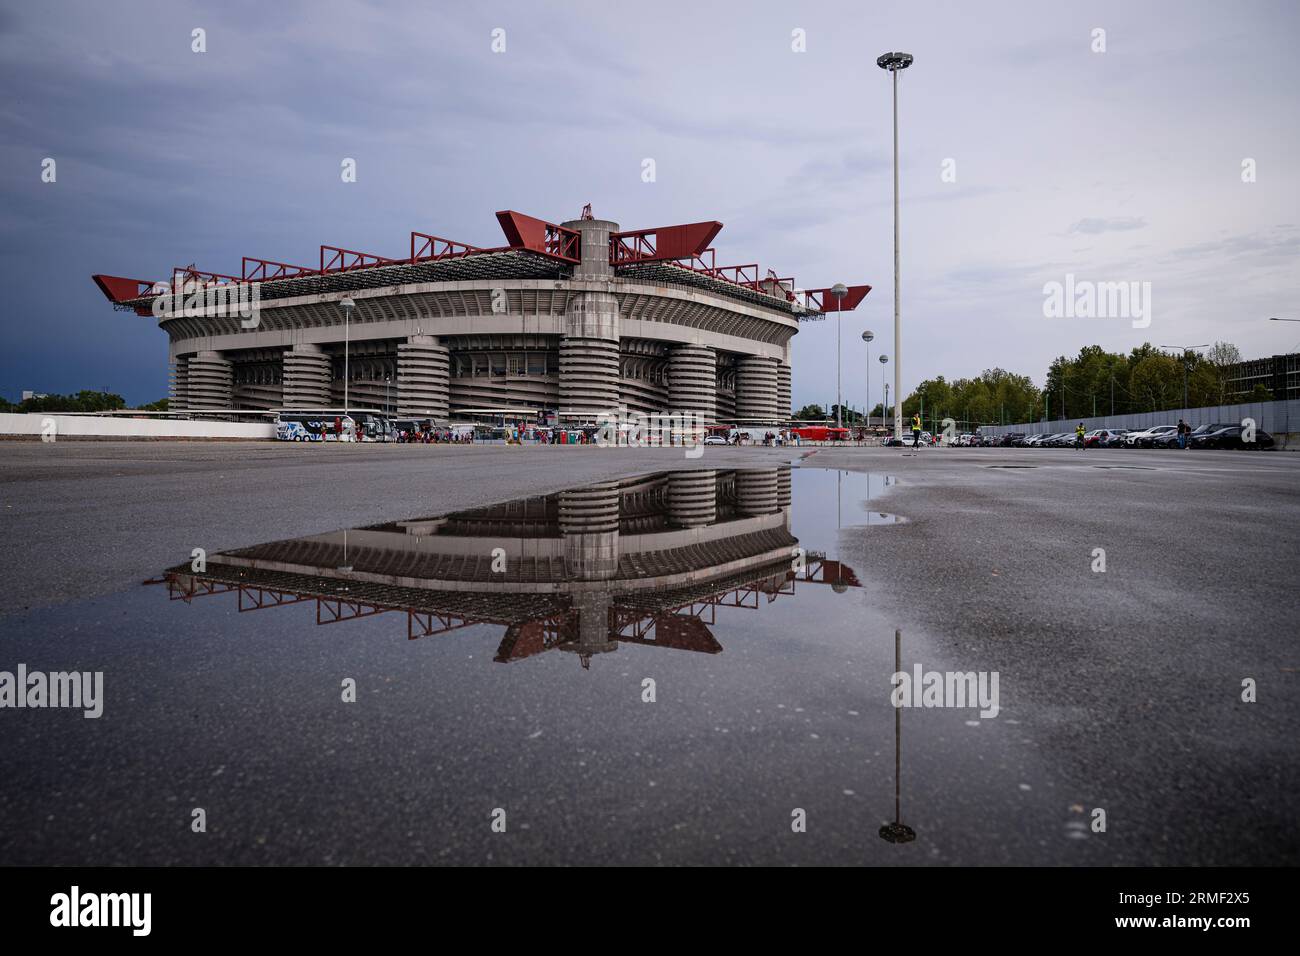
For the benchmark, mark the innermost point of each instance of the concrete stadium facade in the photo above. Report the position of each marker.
(495, 329)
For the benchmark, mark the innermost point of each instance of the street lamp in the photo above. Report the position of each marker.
(884, 360)
(1185, 350)
(839, 290)
(893, 62)
(347, 305)
(867, 336)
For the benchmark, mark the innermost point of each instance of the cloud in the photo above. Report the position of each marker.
(1118, 224)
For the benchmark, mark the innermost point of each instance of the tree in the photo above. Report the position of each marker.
(1157, 382)
(83, 401)
(1223, 358)
(811, 413)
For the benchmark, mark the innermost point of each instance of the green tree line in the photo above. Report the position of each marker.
(83, 401)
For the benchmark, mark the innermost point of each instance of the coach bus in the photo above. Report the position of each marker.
(333, 424)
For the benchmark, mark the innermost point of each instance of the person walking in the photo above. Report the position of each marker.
(1183, 430)
(916, 431)
(1079, 432)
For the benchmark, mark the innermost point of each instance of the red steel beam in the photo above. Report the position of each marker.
(427, 248)
(184, 274)
(117, 289)
(345, 260)
(663, 243)
(263, 270)
(821, 300)
(537, 235)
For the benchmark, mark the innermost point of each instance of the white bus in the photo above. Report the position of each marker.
(333, 424)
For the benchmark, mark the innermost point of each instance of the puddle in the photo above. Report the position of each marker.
(658, 669)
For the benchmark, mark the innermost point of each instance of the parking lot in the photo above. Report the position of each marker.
(1123, 598)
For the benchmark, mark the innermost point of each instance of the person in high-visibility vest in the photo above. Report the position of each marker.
(916, 430)
(1078, 436)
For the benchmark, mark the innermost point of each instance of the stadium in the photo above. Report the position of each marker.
(644, 560)
(565, 321)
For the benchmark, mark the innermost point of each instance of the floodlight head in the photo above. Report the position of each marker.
(868, 335)
(894, 61)
(839, 290)
(884, 359)
(346, 304)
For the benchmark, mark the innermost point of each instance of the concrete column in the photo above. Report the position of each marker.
(306, 379)
(595, 247)
(178, 393)
(784, 490)
(784, 394)
(693, 498)
(756, 388)
(589, 523)
(589, 348)
(209, 381)
(757, 491)
(693, 380)
(423, 378)
(589, 356)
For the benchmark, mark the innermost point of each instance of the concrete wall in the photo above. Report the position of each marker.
(104, 426)
(1279, 419)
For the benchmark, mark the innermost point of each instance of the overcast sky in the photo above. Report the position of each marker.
(1123, 165)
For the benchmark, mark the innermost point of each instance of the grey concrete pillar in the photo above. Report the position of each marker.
(177, 391)
(693, 498)
(756, 491)
(589, 357)
(209, 381)
(595, 247)
(589, 373)
(756, 388)
(306, 379)
(589, 523)
(693, 380)
(784, 490)
(423, 378)
(784, 393)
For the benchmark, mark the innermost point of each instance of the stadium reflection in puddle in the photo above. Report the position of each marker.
(645, 560)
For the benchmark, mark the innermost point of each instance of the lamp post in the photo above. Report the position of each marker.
(867, 336)
(839, 290)
(893, 62)
(1185, 350)
(347, 305)
(884, 360)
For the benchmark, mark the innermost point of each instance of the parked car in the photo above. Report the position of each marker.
(1200, 431)
(1104, 438)
(1231, 436)
(1147, 438)
(714, 440)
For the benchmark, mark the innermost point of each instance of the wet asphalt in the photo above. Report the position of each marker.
(1121, 690)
